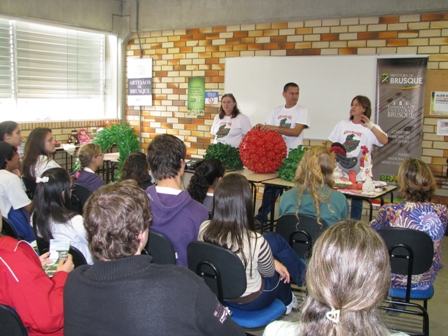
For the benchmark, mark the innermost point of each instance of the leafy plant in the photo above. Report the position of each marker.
(288, 169)
(228, 155)
(121, 135)
(262, 151)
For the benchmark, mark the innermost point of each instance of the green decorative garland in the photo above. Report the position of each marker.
(121, 135)
(228, 155)
(287, 170)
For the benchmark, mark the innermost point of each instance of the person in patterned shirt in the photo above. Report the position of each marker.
(416, 212)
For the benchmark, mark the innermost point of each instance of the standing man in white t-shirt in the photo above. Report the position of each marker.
(289, 121)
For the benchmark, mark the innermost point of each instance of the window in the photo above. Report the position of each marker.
(49, 73)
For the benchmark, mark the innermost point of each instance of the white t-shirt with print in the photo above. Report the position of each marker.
(353, 137)
(230, 130)
(289, 117)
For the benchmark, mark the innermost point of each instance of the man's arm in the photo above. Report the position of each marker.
(294, 132)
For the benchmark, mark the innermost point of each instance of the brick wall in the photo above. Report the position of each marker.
(180, 54)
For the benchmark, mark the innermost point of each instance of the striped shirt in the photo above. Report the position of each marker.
(260, 266)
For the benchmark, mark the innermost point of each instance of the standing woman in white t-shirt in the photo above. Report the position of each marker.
(230, 125)
(357, 132)
(38, 149)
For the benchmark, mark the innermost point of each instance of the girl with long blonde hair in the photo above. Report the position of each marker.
(313, 194)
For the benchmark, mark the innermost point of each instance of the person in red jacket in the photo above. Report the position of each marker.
(26, 288)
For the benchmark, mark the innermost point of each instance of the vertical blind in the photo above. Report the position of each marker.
(6, 66)
(48, 62)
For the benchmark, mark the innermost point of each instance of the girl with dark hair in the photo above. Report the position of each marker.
(15, 204)
(204, 180)
(230, 125)
(416, 186)
(268, 259)
(10, 133)
(358, 134)
(136, 167)
(38, 148)
(91, 158)
(52, 217)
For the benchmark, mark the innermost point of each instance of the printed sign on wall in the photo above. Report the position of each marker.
(400, 106)
(139, 82)
(196, 95)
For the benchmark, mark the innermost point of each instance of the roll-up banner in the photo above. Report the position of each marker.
(399, 111)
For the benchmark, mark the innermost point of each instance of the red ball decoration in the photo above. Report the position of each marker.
(262, 151)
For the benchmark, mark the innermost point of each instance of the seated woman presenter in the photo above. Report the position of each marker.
(268, 259)
(26, 288)
(52, 217)
(38, 148)
(91, 158)
(346, 257)
(136, 167)
(358, 134)
(313, 194)
(14, 203)
(230, 125)
(204, 180)
(416, 186)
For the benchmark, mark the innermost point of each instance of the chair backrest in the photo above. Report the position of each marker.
(301, 232)
(80, 194)
(160, 248)
(221, 269)
(30, 185)
(418, 242)
(9, 229)
(10, 322)
(78, 257)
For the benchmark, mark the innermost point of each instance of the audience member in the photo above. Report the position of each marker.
(136, 167)
(10, 132)
(91, 158)
(15, 204)
(268, 260)
(203, 182)
(416, 185)
(52, 217)
(175, 213)
(347, 277)
(38, 148)
(313, 194)
(26, 288)
(123, 293)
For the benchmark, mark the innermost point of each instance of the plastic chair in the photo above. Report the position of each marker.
(80, 194)
(160, 248)
(409, 318)
(223, 271)
(301, 232)
(411, 252)
(30, 185)
(9, 229)
(10, 322)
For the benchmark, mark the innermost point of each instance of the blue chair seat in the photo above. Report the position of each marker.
(258, 318)
(416, 294)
